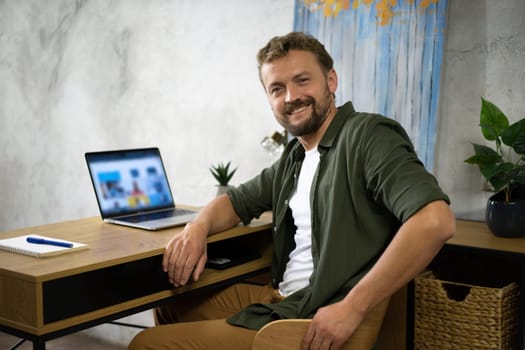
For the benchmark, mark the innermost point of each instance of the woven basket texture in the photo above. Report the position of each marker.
(452, 315)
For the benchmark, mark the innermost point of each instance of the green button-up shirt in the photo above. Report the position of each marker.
(369, 181)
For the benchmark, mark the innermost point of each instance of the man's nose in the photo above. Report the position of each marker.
(292, 94)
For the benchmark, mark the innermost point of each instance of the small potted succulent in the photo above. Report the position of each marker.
(223, 174)
(503, 166)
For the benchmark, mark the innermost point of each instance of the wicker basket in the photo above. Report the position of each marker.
(451, 315)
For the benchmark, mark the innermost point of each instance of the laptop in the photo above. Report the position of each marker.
(132, 189)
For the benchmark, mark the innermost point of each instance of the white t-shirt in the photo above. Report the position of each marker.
(300, 266)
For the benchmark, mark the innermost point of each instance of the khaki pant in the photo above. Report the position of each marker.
(198, 321)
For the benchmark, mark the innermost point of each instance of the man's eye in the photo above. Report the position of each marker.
(276, 90)
(303, 81)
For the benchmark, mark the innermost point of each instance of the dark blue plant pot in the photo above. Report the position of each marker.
(506, 219)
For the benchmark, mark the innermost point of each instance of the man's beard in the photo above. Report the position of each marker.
(317, 117)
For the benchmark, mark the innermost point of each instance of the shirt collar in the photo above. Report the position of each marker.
(335, 126)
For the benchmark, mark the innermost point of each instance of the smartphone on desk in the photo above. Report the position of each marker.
(229, 259)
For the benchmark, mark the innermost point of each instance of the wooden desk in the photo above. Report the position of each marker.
(476, 234)
(120, 274)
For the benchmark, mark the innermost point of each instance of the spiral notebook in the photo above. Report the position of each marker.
(20, 245)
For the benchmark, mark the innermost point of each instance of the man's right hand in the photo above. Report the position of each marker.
(186, 254)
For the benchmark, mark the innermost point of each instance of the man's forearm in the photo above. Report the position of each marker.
(414, 246)
(218, 215)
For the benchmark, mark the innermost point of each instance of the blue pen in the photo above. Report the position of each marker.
(49, 242)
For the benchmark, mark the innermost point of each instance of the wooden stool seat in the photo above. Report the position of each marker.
(288, 334)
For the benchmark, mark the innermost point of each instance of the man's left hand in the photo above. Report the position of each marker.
(331, 327)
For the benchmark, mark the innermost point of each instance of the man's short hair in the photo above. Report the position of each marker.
(279, 47)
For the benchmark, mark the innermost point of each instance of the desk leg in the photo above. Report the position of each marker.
(39, 344)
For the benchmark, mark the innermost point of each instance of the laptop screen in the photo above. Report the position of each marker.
(129, 181)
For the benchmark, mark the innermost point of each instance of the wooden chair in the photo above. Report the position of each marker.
(288, 334)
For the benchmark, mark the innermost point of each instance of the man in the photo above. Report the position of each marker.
(355, 217)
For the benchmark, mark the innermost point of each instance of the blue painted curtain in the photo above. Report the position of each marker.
(388, 56)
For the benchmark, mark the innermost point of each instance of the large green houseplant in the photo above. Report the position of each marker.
(503, 166)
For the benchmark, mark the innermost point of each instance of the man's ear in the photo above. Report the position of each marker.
(331, 79)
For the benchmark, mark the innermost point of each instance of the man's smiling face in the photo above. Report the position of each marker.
(299, 92)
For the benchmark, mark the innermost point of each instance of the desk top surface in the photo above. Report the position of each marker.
(476, 234)
(109, 245)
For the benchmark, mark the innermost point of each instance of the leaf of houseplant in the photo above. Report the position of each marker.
(514, 136)
(492, 120)
(519, 144)
(502, 176)
(228, 175)
(519, 174)
(483, 154)
(487, 159)
(222, 173)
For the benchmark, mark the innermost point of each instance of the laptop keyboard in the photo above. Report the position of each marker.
(157, 215)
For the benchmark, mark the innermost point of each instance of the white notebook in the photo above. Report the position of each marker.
(20, 245)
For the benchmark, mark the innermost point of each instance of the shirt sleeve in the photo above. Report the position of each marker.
(395, 175)
(253, 197)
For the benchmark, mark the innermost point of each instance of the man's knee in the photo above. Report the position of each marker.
(141, 341)
(204, 335)
(155, 338)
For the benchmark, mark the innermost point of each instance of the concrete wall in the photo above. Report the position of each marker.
(77, 76)
(92, 75)
(484, 57)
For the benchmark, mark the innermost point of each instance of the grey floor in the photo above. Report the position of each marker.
(77, 341)
(102, 337)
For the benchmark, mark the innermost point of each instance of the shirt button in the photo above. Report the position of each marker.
(275, 228)
(286, 202)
